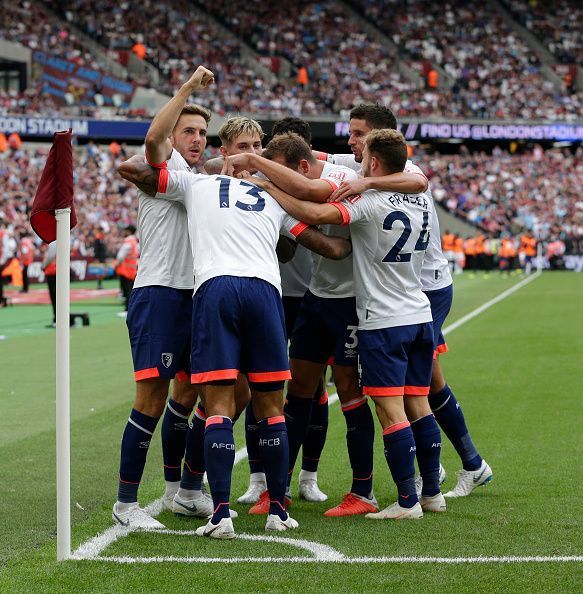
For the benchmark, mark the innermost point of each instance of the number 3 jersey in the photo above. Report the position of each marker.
(390, 233)
(233, 225)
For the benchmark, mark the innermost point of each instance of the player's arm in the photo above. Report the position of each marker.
(141, 174)
(214, 166)
(158, 147)
(405, 182)
(285, 249)
(309, 212)
(315, 190)
(329, 246)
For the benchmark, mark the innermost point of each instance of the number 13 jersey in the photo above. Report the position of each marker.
(234, 225)
(390, 233)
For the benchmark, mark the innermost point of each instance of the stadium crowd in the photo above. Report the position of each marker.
(494, 73)
(501, 195)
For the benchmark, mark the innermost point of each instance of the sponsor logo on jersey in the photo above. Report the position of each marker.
(167, 359)
(223, 446)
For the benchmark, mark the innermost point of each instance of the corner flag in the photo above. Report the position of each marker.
(53, 217)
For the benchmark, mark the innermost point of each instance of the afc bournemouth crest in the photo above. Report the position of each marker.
(167, 359)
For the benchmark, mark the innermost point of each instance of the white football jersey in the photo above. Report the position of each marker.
(334, 278)
(165, 256)
(390, 234)
(234, 225)
(435, 273)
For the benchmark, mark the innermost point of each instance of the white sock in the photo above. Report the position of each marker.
(171, 488)
(122, 506)
(188, 493)
(257, 477)
(306, 475)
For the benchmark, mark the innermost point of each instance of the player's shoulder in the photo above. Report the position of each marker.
(177, 162)
(338, 172)
(411, 167)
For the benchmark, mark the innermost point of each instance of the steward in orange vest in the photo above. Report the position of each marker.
(126, 263)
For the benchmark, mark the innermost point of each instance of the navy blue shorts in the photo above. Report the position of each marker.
(440, 301)
(326, 331)
(396, 361)
(238, 326)
(291, 309)
(159, 320)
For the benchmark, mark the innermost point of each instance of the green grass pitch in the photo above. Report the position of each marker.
(516, 368)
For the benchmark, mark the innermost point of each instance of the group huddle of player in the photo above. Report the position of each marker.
(366, 291)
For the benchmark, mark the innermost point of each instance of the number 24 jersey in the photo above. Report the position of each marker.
(390, 233)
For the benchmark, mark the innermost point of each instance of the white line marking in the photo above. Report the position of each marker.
(476, 312)
(93, 547)
(348, 560)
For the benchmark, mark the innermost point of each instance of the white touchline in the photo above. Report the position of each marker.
(91, 548)
(476, 312)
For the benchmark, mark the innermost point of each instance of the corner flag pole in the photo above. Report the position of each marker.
(63, 217)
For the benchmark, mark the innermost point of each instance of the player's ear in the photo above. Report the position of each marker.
(223, 151)
(304, 166)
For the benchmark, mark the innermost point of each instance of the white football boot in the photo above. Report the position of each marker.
(223, 530)
(433, 504)
(396, 512)
(309, 489)
(275, 524)
(200, 506)
(256, 487)
(133, 516)
(468, 480)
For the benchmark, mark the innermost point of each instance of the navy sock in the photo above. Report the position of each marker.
(360, 442)
(448, 413)
(428, 443)
(251, 440)
(134, 449)
(400, 455)
(316, 437)
(194, 457)
(219, 455)
(297, 420)
(274, 449)
(174, 428)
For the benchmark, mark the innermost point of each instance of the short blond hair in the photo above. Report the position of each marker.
(389, 146)
(237, 125)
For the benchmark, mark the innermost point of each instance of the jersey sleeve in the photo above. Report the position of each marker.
(335, 176)
(173, 185)
(353, 209)
(410, 167)
(291, 227)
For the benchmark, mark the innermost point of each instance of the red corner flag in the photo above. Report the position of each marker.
(55, 189)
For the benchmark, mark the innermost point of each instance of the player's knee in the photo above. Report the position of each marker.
(302, 387)
(185, 393)
(347, 385)
(416, 407)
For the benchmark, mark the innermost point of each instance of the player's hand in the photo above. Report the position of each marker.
(264, 184)
(235, 164)
(201, 79)
(349, 188)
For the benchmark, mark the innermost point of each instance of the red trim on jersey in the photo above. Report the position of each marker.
(143, 374)
(298, 229)
(416, 390)
(332, 184)
(343, 211)
(275, 420)
(268, 376)
(162, 165)
(396, 427)
(217, 374)
(383, 391)
(163, 181)
(181, 376)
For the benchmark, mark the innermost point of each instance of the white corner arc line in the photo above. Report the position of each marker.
(482, 308)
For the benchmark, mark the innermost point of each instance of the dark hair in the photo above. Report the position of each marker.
(131, 229)
(376, 116)
(292, 124)
(390, 147)
(194, 109)
(291, 147)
